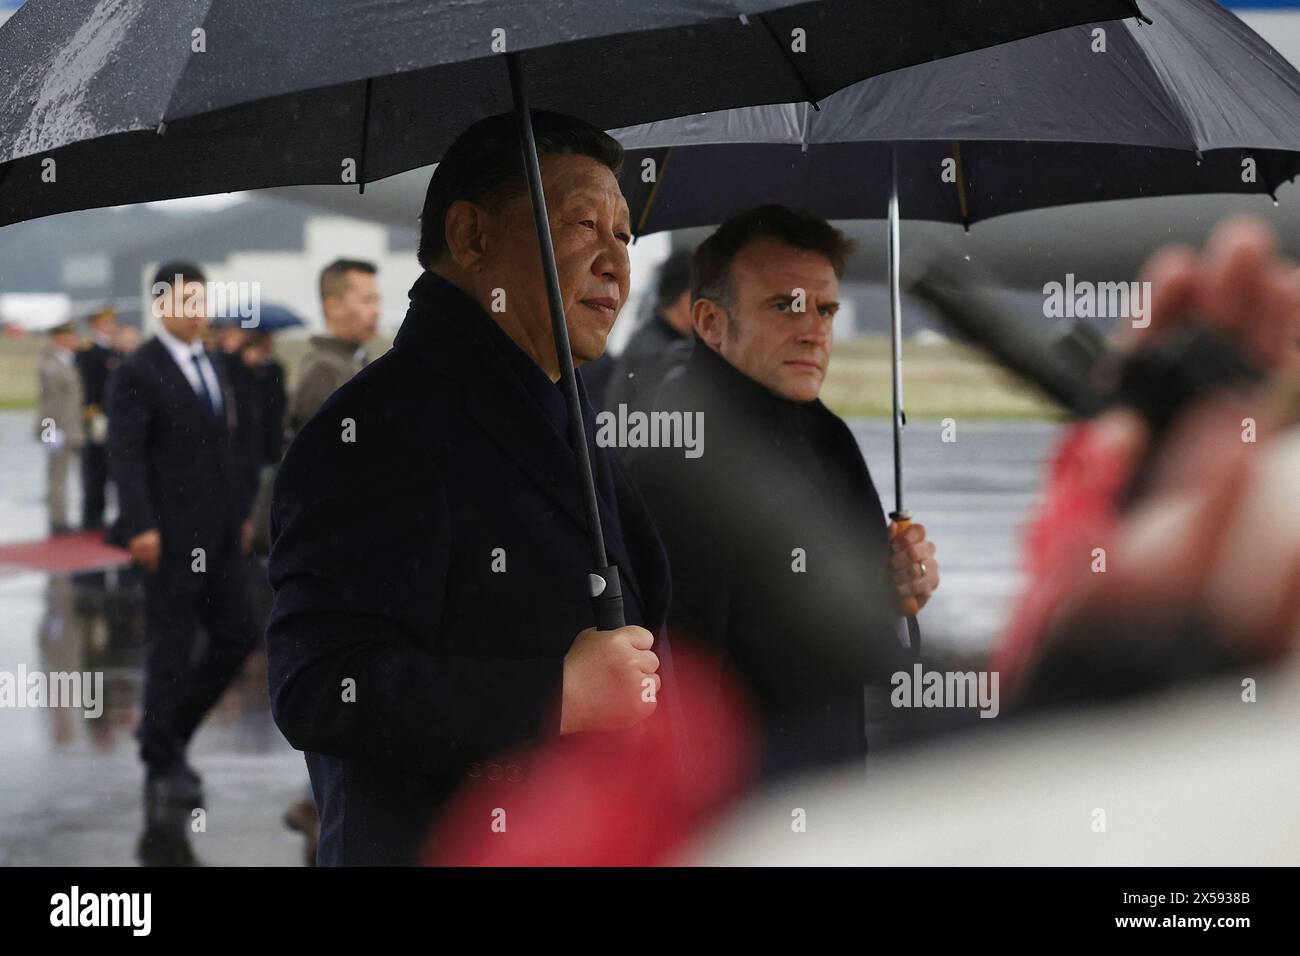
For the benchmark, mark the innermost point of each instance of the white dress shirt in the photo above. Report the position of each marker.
(184, 356)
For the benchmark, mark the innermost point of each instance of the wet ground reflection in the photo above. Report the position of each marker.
(71, 791)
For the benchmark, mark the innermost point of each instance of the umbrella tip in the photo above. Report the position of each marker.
(1138, 14)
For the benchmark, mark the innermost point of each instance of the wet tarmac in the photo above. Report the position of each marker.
(70, 786)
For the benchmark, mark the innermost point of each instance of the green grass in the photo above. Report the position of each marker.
(19, 361)
(940, 380)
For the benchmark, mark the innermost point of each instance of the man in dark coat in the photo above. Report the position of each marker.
(172, 429)
(781, 555)
(429, 546)
(95, 363)
(271, 397)
(662, 343)
(228, 348)
(257, 381)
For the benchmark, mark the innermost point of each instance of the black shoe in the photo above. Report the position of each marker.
(175, 788)
(165, 843)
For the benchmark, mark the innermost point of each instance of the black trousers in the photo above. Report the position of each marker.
(94, 484)
(183, 678)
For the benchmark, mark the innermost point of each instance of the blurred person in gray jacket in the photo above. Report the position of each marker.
(59, 424)
(350, 302)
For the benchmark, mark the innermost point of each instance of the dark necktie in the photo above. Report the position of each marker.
(203, 386)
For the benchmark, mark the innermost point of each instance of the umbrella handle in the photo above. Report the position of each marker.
(606, 598)
(903, 521)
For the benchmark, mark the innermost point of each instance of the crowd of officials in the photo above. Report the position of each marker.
(189, 428)
(71, 420)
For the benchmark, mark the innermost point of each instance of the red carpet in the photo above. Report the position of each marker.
(83, 551)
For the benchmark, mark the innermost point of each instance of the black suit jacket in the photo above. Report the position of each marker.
(171, 460)
(386, 563)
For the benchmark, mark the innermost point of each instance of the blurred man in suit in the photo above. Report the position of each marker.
(59, 423)
(661, 345)
(126, 339)
(95, 363)
(171, 433)
(271, 398)
(430, 553)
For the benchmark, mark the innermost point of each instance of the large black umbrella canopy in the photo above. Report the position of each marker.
(1192, 101)
(117, 101)
(1173, 107)
(285, 92)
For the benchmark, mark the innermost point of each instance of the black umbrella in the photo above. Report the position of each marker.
(116, 101)
(1194, 102)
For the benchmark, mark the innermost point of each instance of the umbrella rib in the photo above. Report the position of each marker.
(1169, 89)
(1137, 12)
(161, 128)
(963, 203)
(365, 139)
(809, 95)
(654, 191)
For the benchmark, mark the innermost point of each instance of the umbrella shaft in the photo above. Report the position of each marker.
(896, 334)
(560, 331)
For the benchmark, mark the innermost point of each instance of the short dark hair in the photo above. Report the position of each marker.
(711, 264)
(168, 271)
(334, 277)
(485, 166)
(674, 278)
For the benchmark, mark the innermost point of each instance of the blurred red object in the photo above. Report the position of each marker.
(618, 799)
(1079, 513)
